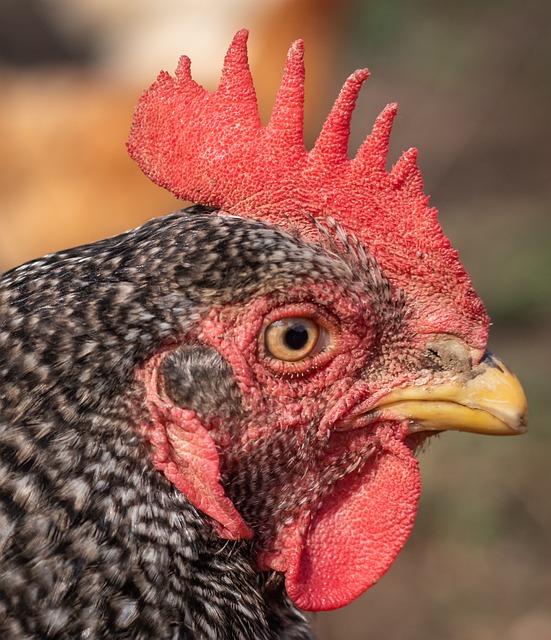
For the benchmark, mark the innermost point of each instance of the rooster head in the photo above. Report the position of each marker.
(348, 332)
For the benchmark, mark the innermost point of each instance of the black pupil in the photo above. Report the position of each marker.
(296, 337)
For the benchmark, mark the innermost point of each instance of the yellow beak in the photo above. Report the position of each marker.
(492, 402)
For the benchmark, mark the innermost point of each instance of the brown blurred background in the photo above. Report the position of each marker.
(473, 79)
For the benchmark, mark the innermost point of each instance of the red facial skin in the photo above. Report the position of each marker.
(339, 533)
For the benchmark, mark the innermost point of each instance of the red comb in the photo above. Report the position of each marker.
(211, 148)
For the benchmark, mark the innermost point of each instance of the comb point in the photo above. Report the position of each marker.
(236, 74)
(406, 174)
(332, 143)
(287, 119)
(183, 70)
(373, 151)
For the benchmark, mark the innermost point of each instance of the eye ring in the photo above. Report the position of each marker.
(294, 339)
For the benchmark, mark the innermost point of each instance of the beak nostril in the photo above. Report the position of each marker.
(448, 353)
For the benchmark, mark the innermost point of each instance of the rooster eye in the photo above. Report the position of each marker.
(293, 339)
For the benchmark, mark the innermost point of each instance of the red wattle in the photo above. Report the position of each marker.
(355, 536)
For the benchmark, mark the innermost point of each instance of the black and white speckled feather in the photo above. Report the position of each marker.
(94, 541)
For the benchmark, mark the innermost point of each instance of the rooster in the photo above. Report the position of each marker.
(208, 424)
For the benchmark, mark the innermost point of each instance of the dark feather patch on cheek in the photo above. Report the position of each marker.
(196, 377)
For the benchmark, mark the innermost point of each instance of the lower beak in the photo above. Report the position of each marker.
(491, 402)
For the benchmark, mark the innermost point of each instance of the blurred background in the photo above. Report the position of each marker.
(473, 79)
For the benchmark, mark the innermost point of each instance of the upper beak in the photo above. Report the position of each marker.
(492, 402)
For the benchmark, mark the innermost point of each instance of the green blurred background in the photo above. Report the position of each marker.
(473, 80)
